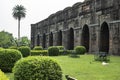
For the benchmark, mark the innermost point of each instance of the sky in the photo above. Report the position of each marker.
(36, 10)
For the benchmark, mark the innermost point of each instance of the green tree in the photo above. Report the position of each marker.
(6, 39)
(19, 12)
(24, 41)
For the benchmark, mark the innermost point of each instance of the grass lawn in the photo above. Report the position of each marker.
(85, 68)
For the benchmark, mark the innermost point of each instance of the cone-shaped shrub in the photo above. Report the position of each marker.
(8, 57)
(37, 68)
(3, 76)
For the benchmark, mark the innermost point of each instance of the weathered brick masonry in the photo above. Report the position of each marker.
(92, 23)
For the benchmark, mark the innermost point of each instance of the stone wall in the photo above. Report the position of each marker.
(94, 24)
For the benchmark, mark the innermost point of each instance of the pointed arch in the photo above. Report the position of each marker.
(85, 37)
(44, 41)
(104, 37)
(59, 41)
(71, 39)
(51, 39)
(38, 40)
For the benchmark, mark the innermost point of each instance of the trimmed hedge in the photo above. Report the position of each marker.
(1, 48)
(39, 52)
(65, 52)
(60, 47)
(80, 49)
(8, 57)
(3, 76)
(37, 68)
(69, 51)
(53, 51)
(25, 50)
(38, 48)
(13, 47)
(61, 52)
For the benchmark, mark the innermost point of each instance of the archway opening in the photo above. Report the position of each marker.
(44, 41)
(71, 39)
(51, 39)
(38, 40)
(85, 37)
(104, 38)
(59, 41)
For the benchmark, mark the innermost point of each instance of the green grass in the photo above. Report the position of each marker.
(85, 68)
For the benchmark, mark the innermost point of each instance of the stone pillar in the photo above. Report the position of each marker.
(76, 37)
(64, 39)
(55, 38)
(116, 38)
(110, 42)
(93, 39)
(97, 38)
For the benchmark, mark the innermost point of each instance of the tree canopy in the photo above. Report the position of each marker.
(6, 39)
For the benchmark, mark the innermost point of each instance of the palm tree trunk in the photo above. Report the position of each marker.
(18, 29)
(18, 32)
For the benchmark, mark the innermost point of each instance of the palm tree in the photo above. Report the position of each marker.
(19, 13)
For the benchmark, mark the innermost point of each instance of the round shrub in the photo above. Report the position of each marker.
(53, 51)
(80, 49)
(37, 68)
(3, 76)
(38, 48)
(8, 57)
(25, 50)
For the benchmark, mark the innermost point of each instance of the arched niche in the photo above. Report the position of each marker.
(104, 38)
(85, 37)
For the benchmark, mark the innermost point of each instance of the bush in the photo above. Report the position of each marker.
(13, 47)
(80, 49)
(61, 52)
(38, 48)
(53, 51)
(39, 52)
(8, 57)
(60, 47)
(25, 50)
(102, 56)
(3, 76)
(37, 68)
(69, 51)
(1, 48)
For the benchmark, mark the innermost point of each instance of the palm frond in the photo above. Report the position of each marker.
(19, 12)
